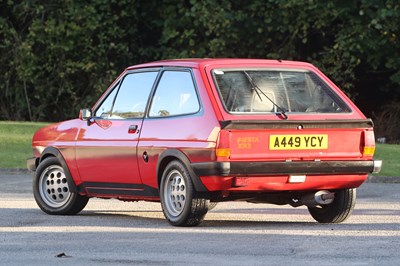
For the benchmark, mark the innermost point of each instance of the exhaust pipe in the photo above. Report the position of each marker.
(322, 197)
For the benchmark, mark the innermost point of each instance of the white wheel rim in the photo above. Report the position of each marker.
(53, 186)
(175, 193)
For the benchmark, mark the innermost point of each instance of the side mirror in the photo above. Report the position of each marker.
(85, 114)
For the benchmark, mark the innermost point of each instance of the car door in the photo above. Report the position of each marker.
(176, 121)
(106, 147)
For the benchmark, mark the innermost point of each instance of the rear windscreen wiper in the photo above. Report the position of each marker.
(258, 91)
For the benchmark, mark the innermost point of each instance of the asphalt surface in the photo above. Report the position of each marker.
(111, 232)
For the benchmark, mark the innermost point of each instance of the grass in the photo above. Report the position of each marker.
(390, 155)
(15, 148)
(15, 143)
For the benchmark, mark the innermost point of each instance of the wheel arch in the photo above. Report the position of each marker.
(173, 154)
(54, 152)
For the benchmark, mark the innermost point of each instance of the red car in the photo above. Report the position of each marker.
(190, 133)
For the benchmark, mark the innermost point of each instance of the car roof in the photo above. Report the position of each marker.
(203, 62)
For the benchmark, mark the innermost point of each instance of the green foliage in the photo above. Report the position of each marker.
(59, 56)
(387, 123)
(62, 53)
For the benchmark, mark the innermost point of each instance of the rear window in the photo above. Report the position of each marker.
(268, 91)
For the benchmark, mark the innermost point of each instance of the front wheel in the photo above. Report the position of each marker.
(51, 190)
(339, 210)
(178, 201)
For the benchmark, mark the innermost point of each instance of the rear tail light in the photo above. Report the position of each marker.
(369, 143)
(223, 150)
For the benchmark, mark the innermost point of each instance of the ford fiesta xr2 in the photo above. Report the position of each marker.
(190, 133)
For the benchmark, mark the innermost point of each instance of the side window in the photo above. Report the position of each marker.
(131, 99)
(104, 111)
(133, 95)
(175, 95)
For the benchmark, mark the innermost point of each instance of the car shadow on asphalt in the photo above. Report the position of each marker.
(19, 217)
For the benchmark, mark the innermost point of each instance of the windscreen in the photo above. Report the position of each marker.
(271, 91)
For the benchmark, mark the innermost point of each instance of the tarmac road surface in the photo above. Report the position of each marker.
(111, 232)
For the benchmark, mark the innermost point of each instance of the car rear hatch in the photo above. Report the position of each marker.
(288, 118)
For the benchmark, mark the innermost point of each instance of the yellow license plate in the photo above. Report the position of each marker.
(298, 142)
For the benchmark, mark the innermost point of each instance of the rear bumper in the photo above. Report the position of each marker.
(285, 168)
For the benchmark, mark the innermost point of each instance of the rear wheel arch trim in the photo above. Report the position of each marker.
(174, 154)
(54, 152)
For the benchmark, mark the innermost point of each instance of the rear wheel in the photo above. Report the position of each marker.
(51, 190)
(212, 205)
(339, 210)
(178, 201)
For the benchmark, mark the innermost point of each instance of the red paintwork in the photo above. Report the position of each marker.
(108, 154)
(105, 151)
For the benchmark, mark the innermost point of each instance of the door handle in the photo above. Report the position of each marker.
(133, 129)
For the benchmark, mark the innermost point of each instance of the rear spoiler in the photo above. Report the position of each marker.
(299, 124)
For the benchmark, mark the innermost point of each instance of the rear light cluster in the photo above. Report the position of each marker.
(368, 148)
(223, 150)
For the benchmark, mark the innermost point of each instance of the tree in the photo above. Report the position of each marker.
(59, 56)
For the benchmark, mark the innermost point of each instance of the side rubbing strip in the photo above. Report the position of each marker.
(118, 189)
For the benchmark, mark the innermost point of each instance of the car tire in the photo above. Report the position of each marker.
(339, 210)
(51, 190)
(177, 194)
(212, 205)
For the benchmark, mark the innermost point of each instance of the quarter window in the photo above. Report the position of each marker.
(175, 95)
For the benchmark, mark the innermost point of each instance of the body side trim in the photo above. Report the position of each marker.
(122, 189)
